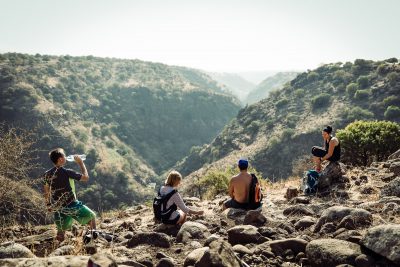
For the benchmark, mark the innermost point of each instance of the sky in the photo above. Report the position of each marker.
(212, 35)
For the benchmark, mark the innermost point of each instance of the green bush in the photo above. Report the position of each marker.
(391, 100)
(365, 141)
(214, 182)
(363, 81)
(321, 100)
(362, 94)
(392, 60)
(351, 89)
(312, 76)
(282, 102)
(392, 113)
(299, 93)
(392, 78)
(358, 113)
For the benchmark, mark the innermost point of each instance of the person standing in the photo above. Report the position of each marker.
(60, 196)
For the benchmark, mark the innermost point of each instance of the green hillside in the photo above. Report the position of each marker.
(274, 82)
(277, 133)
(133, 119)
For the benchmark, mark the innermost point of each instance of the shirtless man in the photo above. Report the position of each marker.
(239, 188)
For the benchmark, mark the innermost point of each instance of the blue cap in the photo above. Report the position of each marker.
(243, 163)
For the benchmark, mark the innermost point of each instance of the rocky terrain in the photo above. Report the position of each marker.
(353, 222)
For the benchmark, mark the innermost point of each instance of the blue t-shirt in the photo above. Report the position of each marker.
(62, 185)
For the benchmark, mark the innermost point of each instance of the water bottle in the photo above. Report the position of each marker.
(71, 157)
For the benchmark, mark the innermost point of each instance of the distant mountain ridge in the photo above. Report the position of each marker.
(276, 133)
(133, 119)
(234, 83)
(275, 82)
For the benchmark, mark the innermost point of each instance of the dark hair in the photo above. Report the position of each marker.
(55, 154)
(243, 164)
(328, 129)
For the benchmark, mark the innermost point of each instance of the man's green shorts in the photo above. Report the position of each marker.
(74, 211)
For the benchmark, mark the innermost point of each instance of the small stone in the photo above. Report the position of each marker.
(161, 255)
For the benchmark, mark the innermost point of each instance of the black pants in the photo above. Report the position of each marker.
(318, 151)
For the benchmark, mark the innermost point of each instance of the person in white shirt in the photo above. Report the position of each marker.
(178, 216)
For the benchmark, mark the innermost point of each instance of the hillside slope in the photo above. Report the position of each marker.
(277, 133)
(274, 82)
(134, 119)
(235, 83)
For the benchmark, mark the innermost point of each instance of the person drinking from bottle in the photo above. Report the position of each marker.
(60, 196)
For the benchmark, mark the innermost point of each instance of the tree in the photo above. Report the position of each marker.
(392, 113)
(365, 141)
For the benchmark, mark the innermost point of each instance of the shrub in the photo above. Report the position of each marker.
(351, 89)
(320, 100)
(391, 100)
(365, 141)
(282, 102)
(361, 94)
(358, 113)
(363, 81)
(214, 182)
(392, 113)
(299, 93)
(312, 76)
(392, 78)
(392, 60)
(19, 201)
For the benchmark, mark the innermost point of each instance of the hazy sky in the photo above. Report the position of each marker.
(214, 35)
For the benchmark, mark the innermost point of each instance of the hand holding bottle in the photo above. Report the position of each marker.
(73, 157)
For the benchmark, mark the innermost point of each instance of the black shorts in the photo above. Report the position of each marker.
(318, 151)
(231, 203)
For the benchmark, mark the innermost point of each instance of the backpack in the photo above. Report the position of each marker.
(311, 182)
(160, 210)
(255, 194)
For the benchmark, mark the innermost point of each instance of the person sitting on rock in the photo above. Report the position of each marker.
(59, 193)
(239, 189)
(175, 201)
(330, 152)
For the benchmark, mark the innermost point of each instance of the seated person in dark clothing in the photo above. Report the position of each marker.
(239, 188)
(330, 151)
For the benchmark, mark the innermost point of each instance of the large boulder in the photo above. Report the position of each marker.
(304, 223)
(192, 230)
(392, 188)
(330, 174)
(336, 214)
(220, 254)
(297, 245)
(64, 250)
(395, 168)
(395, 155)
(255, 217)
(150, 238)
(244, 234)
(195, 256)
(384, 240)
(103, 260)
(59, 261)
(299, 210)
(14, 250)
(332, 252)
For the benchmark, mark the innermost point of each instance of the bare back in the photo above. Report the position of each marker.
(239, 187)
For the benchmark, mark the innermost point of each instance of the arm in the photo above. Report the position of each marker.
(85, 175)
(230, 189)
(177, 199)
(332, 145)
